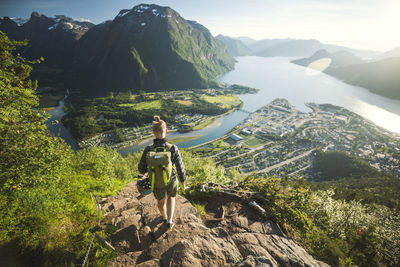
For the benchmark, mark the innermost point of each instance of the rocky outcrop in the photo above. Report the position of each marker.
(235, 235)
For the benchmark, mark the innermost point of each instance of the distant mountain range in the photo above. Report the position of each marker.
(235, 47)
(285, 47)
(395, 52)
(148, 47)
(380, 76)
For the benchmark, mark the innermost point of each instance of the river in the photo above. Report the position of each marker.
(278, 78)
(56, 127)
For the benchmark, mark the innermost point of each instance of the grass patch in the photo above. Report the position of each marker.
(254, 141)
(156, 104)
(205, 123)
(182, 139)
(201, 209)
(185, 102)
(226, 101)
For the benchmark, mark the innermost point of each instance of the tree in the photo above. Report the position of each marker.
(32, 162)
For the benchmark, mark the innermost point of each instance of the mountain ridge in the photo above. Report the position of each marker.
(290, 47)
(146, 47)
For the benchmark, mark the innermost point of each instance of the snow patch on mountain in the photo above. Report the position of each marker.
(143, 23)
(69, 25)
(123, 12)
(20, 21)
(53, 27)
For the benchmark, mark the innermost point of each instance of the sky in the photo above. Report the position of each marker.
(368, 24)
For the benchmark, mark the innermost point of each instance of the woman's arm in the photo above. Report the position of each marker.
(177, 161)
(142, 167)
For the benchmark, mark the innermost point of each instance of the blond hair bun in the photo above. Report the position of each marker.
(159, 125)
(157, 118)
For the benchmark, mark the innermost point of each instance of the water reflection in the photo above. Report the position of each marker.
(379, 116)
(318, 66)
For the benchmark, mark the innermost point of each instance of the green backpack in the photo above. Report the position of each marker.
(159, 163)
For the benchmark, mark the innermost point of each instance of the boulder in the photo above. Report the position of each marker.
(213, 248)
(281, 249)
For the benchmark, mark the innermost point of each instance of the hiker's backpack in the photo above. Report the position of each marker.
(159, 164)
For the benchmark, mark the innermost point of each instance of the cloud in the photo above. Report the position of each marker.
(84, 20)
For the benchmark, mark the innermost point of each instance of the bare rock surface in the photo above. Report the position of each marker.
(232, 234)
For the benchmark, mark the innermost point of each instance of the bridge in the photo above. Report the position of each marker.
(245, 111)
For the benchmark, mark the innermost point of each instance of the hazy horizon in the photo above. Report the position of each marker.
(364, 24)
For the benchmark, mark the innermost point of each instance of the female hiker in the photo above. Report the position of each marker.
(158, 160)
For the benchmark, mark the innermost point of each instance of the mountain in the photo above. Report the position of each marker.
(287, 47)
(246, 40)
(296, 48)
(151, 46)
(148, 47)
(338, 59)
(380, 77)
(395, 52)
(235, 47)
(20, 21)
(51, 38)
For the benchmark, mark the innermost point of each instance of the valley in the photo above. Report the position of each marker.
(122, 120)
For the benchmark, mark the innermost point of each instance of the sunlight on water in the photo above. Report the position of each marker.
(379, 116)
(318, 66)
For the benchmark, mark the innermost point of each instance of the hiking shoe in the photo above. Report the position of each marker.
(164, 220)
(170, 225)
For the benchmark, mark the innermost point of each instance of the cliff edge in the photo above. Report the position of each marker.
(230, 234)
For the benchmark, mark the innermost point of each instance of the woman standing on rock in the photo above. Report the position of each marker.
(157, 160)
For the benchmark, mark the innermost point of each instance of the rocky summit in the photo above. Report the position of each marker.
(230, 234)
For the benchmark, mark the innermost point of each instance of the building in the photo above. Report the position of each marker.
(246, 131)
(236, 138)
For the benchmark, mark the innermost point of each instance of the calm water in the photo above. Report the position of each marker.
(278, 78)
(56, 127)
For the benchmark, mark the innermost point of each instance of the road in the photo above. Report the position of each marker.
(280, 164)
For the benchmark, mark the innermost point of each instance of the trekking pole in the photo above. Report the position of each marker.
(95, 229)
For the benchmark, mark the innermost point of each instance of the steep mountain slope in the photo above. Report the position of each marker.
(380, 77)
(235, 47)
(338, 59)
(148, 47)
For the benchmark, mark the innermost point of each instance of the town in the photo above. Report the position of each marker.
(280, 140)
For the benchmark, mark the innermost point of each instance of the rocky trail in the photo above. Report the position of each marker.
(232, 234)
